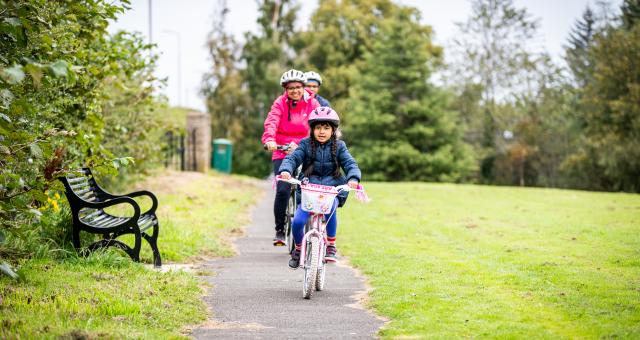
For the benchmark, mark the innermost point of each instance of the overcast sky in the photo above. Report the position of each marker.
(187, 23)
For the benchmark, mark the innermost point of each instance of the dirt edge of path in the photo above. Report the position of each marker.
(362, 297)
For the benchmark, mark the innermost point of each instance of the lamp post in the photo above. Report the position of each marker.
(150, 23)
(177, 34)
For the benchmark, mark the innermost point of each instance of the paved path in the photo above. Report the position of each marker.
(256, 296)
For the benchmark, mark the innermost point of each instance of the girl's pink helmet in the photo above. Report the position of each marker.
(324, 114)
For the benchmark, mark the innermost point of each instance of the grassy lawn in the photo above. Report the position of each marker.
(98, 298)
(198, 212)
(108, 296)
(453, 261)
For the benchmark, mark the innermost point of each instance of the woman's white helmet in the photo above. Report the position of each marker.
(313, 76)
(292, 75)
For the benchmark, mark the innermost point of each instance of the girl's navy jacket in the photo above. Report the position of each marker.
(323, 166)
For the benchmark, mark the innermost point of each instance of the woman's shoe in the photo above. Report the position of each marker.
(280, 239)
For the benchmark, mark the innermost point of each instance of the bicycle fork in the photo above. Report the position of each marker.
(314, 232)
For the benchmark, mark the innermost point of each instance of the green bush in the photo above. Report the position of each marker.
(70, 94)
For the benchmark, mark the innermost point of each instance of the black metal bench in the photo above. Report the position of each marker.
(88, 201)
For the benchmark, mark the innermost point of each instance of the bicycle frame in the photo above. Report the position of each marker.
(318, 228)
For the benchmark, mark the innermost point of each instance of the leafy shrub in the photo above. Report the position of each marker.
(70, 94)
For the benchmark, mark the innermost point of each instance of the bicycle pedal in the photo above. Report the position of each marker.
(279, 243)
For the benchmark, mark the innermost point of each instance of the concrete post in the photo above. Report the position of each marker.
(199, 123)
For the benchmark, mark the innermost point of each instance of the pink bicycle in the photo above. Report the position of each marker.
(318, 201)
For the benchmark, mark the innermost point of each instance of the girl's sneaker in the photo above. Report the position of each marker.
(294, 262)
(330, 255)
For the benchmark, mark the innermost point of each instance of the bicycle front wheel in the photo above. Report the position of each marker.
(322, 269)
(310, 268)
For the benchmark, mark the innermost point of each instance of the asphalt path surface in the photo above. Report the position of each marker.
(255, 295)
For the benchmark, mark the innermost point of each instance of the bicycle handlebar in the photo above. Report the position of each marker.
(278, 147)
(343, 187)
(290, 180)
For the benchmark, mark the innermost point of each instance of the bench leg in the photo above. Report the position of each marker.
(153, 242)
(137, 245)
(75, 238)
(112, 243)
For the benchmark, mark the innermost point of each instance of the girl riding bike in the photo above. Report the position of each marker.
(286, 123)
(322, 155)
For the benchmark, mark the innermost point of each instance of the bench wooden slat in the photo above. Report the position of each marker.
(80, 184)
(110, 221)
(90, 197)
(83, 191)
(97, 218)
(146, 222)
(77, 180)
(89, 214)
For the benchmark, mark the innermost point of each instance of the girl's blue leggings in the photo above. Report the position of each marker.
(301, 217)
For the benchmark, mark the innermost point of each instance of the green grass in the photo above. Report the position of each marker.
(452, 261)
(107, 295)
(97, 299)
(196, 217)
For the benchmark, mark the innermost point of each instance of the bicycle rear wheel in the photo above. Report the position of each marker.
(310, 268)
(291, 209)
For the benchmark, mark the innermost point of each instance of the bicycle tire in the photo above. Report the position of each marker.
(320, 276)
(291, 209)
(310, 268)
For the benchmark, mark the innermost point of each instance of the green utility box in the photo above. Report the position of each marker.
(222, 155)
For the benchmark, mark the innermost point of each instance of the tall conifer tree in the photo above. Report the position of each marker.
(577, 51)
(398, 126)
(630, 13)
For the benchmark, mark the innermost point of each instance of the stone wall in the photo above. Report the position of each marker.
(198, 154)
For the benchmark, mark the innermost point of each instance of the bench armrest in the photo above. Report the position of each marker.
(111, 196)
(154, 200)
(115, 201)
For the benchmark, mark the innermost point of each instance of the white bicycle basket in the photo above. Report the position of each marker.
(317, 198)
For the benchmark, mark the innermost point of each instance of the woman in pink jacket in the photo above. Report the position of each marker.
(287, 123)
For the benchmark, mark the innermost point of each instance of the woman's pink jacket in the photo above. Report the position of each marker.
(285, 123)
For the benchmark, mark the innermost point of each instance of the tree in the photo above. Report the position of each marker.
(496, 50)
(266, 56)
(226, 96)
(630, 13)
(580, 40)
(612, 111)
(130, 105)
(266, 53)
(502, 77)
(399, 127)
(607, 106)
(547, 131)
(244, 81)
(340, 34)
